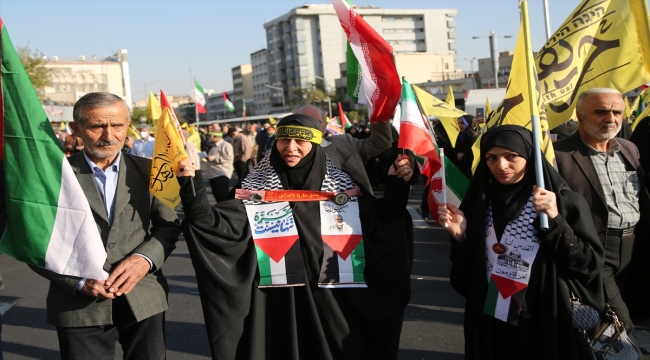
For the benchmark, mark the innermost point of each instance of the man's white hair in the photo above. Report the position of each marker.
(594, 91)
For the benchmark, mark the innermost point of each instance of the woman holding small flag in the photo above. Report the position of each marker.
(275, 281)
(518, 279)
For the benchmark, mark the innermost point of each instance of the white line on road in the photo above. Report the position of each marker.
(5, 306)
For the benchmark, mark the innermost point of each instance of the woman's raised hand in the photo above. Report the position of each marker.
(454, 219)
(402, 168)
(185, 168)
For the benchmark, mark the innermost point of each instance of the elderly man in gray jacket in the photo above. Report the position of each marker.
(138, 231)
(349, 153)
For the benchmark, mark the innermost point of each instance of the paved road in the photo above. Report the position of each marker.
(432, 326)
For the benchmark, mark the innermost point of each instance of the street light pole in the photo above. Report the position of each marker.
(281, 90)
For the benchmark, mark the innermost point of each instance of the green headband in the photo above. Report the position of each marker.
(299, 133)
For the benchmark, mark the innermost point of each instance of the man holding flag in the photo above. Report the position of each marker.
(138, 233)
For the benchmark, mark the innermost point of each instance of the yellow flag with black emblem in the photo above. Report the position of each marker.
(604, 43)
(448, 114)
(516, 107)
(168, 151)
(450, 97)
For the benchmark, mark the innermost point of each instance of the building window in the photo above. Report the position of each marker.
(388, 19)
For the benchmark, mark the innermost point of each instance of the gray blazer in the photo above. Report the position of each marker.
(141, 224)
(349, 153)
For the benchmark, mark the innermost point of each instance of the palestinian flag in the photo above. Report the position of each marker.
(380, 85)
(456, 186)
(505, 298)
(228, 103)
(276, 242)
(414, 133)
(344, 259)
(345, 123)
(45, 218)
(200, 98)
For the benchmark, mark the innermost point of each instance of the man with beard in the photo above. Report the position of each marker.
(606, 171)
(138, 231)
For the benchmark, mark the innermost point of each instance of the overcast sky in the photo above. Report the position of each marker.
(166, 39)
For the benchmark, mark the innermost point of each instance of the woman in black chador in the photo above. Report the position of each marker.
(303, 264)
(516, 277)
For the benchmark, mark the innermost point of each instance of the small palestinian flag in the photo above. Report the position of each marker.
(344, 259)
(228, 103)
(504, 299)
(275, 236)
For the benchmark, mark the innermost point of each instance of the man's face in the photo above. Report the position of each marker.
(600, 117)
(104, 131)
(339, 221)
(144, 132)
(266, 126)
(270, 130)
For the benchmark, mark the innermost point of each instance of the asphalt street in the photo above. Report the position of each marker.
(432, 325)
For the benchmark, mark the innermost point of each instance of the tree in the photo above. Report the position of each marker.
(309, 95)
(34, 65)
(138, 113)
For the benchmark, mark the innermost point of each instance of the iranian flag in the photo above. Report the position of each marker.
(200, 98)
(345, 123)
(276, 242)
(449, 184)
(414, 133)
(227, 103)
(380, 86)
(46, 220)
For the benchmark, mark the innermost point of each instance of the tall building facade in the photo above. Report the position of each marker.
(73, 78)
(260, 82)
(242, 82)
(307, 44)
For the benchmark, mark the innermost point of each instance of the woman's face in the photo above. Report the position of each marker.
(461, 124)
(292, 150)
(507, 166)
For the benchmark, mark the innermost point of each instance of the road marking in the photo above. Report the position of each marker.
(5, 306)
(439, 308)
(434, 278)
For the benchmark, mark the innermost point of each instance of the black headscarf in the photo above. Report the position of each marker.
(509, 200)
(293, 178)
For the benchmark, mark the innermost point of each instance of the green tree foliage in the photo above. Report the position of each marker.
(137, 113)
(34, 64)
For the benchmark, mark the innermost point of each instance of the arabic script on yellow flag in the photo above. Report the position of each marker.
(603, 43)
(168, 151)
(448, 114)
(516, 108)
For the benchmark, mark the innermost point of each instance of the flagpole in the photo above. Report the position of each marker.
(444, 179)
(532, 100)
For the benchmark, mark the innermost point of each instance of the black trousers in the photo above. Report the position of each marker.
(241, 169)
(220, 187)
(618, 254)
(139, 340)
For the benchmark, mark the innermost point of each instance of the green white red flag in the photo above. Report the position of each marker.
(415, 134)
(45, 217)
(200, 98)
(452, 189)
(380, 85)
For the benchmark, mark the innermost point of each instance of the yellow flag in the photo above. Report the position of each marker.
(603, 43)
(153, 110)
(450, 97)
(272, 121)
(191, 130)
(448, 114)
(628, 109)
(168, 151)
(638, 119)
(517, 107)
(488, 107)
(132, 131)
(195, 139)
